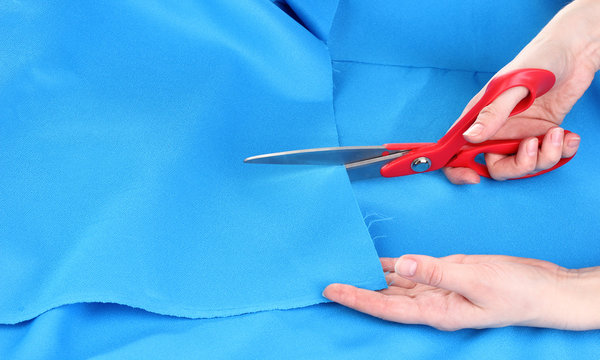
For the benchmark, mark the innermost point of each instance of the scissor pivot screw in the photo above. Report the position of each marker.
(420, 164)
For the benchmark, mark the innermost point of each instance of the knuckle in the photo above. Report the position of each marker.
(526, 166)
(496, 174)
(547, 161)
(544, 165)
(498, 177)
(529, 167)
(347, 297)
(447, 327)
(488, 113)
(434, 275)
(458, 258)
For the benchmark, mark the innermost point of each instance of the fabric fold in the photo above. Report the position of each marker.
(316, 15)
(126, 125)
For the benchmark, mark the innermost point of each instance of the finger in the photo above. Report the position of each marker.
(551, 149)
(503, 167)
(387, 264)
(398, 308)
(492, 117)
(390, 277)
(570, 145)
(435, 272)
(396, 280)
(461, 176)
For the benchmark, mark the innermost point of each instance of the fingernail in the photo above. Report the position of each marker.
(556, 137)
(532, 147)
(406, 267)
(474, 130)
(467, 182)
(574, 142)
(471, 181)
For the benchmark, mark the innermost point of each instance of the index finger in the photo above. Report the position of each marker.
(398, 308)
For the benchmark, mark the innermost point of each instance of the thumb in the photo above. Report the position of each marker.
(460, 278)
(492, 117)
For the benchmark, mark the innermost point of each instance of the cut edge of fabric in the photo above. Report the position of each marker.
(191, 312)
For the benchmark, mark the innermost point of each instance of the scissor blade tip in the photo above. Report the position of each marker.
(258, 159)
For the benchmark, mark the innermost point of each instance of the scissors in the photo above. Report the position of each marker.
(452, 150)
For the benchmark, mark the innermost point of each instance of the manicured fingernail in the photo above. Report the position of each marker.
(474, 130)
(556, 137)
(532, 147)
(406, 267)
(574, 142)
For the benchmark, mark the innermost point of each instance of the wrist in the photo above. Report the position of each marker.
(569, 43)
(577, 300)
(584, 17)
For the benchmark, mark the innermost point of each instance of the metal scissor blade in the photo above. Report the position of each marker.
(322, 156)
(370, 168)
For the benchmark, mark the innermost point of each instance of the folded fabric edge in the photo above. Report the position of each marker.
(190, 312)
(409, 66)
(304, 13)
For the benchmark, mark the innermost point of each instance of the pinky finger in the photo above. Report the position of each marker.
(570, 145)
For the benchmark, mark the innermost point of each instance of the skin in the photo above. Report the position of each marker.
(482, 291)
(479, 291)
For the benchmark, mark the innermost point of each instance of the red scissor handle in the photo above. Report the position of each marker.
(454, 150)
(467, 154)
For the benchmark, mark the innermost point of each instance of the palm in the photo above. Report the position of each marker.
(442, 308)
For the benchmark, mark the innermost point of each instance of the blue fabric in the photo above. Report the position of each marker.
(389, 95)
(552, 217)
(316, 15)
(150, 109)
(413, 89)
(108, 331)
(124, 129)
(464, 35)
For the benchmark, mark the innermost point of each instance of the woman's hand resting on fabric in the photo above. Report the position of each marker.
(479, 291)
(569, 46)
